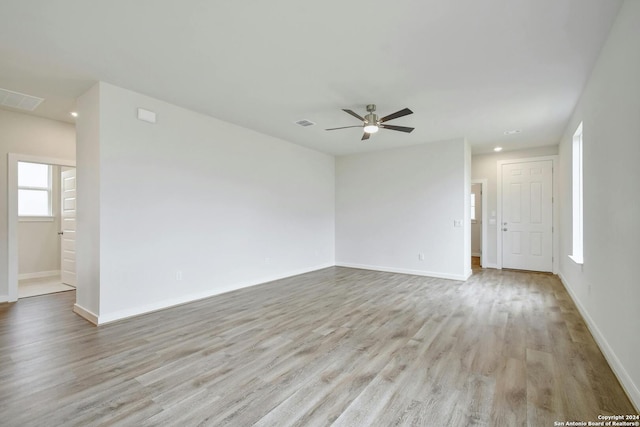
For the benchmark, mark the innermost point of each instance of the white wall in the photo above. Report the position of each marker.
(466, 236)
(38, 241)
(226, 206)
(24, 134)
(393, 205)
(88, 167)
(606, 287)
(485, 166)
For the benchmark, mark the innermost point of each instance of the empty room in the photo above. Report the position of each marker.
(338, 213)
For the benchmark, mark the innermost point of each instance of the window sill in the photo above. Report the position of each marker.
(36, 218)
(577, 260)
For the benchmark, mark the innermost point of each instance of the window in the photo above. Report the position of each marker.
(473, 206)
(576, 200)
(34, 190)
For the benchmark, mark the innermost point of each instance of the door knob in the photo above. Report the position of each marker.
(60, 233)
(504, 229)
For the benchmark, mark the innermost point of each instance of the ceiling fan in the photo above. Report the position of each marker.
(371, 123)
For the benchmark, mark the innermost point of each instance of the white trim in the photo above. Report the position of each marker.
(4, 298)
(38, 274)
(161, 305)
(575, 259)
(449, 276)
(556, 210)
(36, 218)
(476, 254)
(577, 197)
(484, 187)
(487, 265)
(618, 368)
(12, 213)
(85, 314)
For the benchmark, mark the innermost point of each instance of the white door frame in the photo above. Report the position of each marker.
(555, 210)
(12, 213)
(484, 185)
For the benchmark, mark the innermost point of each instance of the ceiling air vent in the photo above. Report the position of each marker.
(9, 98)
(305, 123)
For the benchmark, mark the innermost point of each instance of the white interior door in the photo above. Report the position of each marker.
(68, 228)
(527, 215)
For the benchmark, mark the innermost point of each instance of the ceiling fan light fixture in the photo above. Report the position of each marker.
(371, 128)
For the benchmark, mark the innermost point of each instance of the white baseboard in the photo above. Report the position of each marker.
(4, 298)
(85, 314)
(476, 254)
(438, 275)
(628, 385)
(161, 305)
(487, 265)
(38, 274)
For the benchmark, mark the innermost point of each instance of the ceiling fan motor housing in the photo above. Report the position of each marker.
(372, 117)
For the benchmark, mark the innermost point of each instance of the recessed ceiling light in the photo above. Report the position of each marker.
(512, 132)
(497, 149)
(74, 114)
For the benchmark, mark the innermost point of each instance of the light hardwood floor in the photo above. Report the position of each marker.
(339, 346)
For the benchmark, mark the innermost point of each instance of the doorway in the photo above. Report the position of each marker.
(478, 204)
(476, 225)
(13, 217)
(44, 197)
(526, 214)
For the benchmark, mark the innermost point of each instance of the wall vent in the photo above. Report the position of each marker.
(305, 123)
(9, 98)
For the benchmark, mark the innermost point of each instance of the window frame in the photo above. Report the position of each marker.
(577, 196)
(49, 190)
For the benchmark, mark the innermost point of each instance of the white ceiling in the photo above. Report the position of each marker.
(467, 68)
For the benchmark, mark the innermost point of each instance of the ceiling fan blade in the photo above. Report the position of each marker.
(345, 127)
(400, 128)
(365, 136)
(395, 115)
(353, 114)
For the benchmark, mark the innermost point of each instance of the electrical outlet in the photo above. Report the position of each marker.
(267, 261)
(178, 275)
(421, 257)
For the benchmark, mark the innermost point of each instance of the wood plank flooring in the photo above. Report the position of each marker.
(339, 346)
